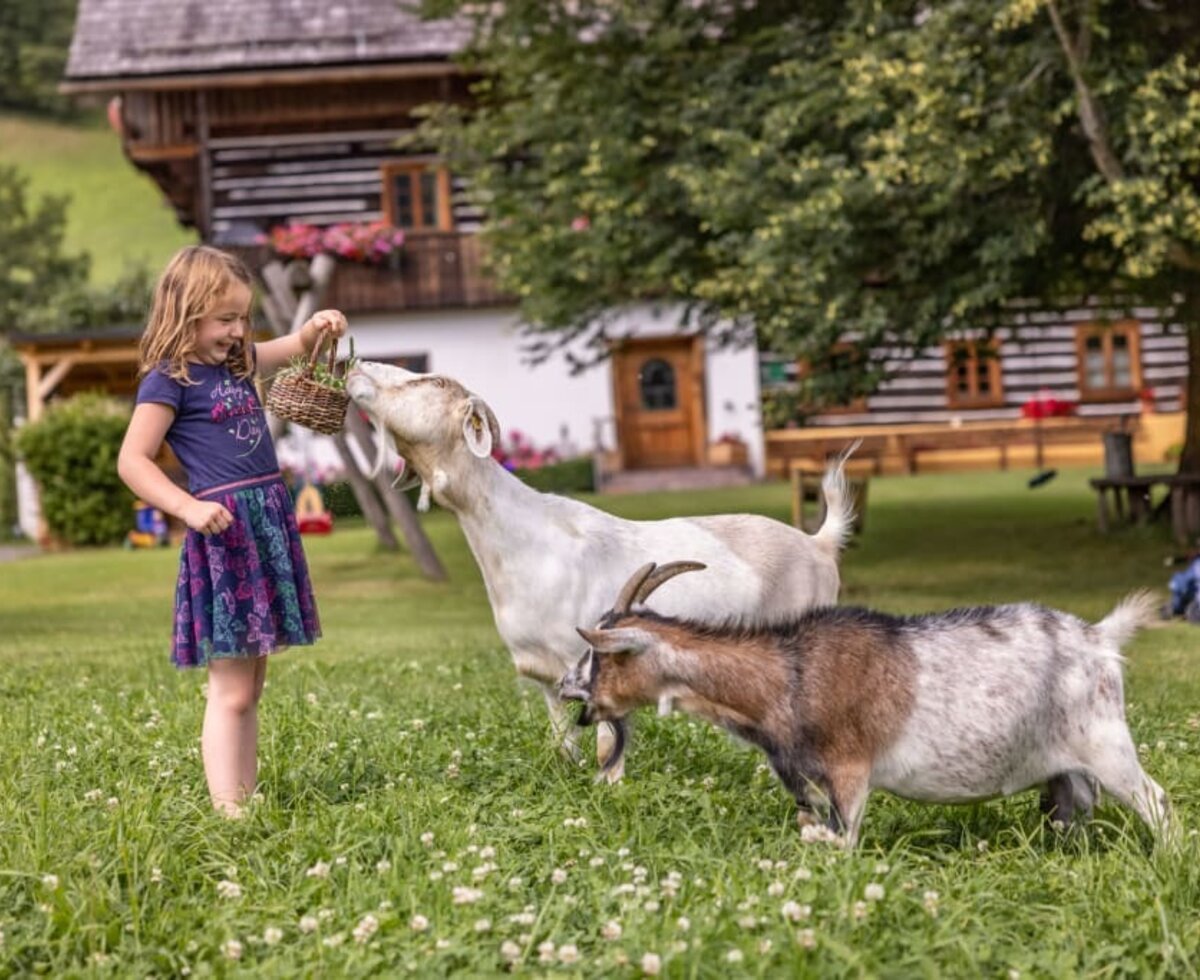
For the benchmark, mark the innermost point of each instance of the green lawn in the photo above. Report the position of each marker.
(116, 213)
(401, 760)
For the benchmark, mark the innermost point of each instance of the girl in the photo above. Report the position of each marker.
(243, 589)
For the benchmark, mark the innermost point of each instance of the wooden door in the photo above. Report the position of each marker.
(659, 398)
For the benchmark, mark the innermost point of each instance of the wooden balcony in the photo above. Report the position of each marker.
(434, 270)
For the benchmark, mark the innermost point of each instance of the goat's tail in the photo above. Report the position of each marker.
(835, 530)
(1136, 610)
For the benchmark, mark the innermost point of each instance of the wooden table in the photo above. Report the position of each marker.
(1130, 500)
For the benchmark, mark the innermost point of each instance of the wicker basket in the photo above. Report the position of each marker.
(297, 396)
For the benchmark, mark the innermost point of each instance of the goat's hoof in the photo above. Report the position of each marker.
(610, 776)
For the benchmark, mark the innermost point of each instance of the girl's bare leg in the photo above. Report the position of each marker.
(230, 731)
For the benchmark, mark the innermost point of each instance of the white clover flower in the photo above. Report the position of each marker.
(156, 876)
(734, 956)
(510, 951)
(874, 892)
(229, 889)
(523, 919)
(930, 901)
(50, 881)
(683, 923)
(747, 922)
(596, 862)
(568, 953)
(442, 944)
(466, 896)
(232, 949)
(335, 940)
(611, 930)
(385, 905)
(324, 915)
(515, 883)
(882, 868)
(775, 889)
(308, 923)
(427, 838)
(807, 938)
(383, 866)
(765, 864)
(310, 698)
(483, 870)
(860, 910)
(623, 852)
(450, 867)
(545, 952)
(92, 795)
(483, 925)
(815, 833)
(558, 876)
(651, 964)
(981, 846)
(340, 860)
(487, 853)
(418, 923)
(624, 889)
(318, 870)
(99, 958)
(794, 911)
(367, 926)
(272, 935)
(418, 724)
(764, 946)
(652, 906)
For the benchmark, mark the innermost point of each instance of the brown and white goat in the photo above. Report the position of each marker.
(948, 707)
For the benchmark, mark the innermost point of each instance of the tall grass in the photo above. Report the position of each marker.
(415, 817)
(116, 213)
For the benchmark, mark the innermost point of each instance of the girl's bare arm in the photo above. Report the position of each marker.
(136, 466)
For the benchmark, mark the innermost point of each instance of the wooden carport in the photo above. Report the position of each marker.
(60, 365)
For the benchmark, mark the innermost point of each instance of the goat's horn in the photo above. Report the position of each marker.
(665, 573)
(630, 589)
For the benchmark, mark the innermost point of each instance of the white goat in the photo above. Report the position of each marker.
(550, 562)
(949, 707)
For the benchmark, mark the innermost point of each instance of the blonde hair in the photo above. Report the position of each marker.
(188, 289)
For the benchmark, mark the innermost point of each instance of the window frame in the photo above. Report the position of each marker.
(995, 373)
(1109, 392)
(415, 169)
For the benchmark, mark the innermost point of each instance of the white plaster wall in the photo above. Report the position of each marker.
(483, 350)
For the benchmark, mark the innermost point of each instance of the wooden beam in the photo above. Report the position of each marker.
(51, 378)
(258, 78)
(107, 355)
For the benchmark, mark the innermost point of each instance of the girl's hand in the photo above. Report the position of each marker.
(331, 322)
(207, 517)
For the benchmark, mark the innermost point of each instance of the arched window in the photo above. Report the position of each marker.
(656, 381)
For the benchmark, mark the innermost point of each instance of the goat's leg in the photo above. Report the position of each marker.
(565, 732)
(849, 786)
(1116, 766)
(611, 739)
(1068, 798)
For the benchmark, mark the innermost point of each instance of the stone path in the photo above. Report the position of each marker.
(678, 478)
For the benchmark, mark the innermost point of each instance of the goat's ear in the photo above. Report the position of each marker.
(627, 640)
(479, 428)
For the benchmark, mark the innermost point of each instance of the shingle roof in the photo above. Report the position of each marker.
(131, 38)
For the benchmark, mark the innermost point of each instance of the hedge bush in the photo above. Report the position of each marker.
(72, 454)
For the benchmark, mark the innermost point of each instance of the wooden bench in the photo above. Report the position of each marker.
(903, 445)
(1130, 500)
(1004, 435)
(806, 475)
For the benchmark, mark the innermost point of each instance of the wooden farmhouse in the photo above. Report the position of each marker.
(254, 114)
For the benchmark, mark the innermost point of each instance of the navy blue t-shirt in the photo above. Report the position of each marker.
(220, 430)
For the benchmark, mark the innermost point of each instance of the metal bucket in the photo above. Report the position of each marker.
(1118, 454)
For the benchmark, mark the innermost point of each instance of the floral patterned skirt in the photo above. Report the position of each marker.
(244, 592)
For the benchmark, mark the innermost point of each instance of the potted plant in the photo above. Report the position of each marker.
(728, 450)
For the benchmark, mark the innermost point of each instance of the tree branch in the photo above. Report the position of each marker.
(1090, 116)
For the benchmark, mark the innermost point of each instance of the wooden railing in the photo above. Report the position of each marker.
(442, 270)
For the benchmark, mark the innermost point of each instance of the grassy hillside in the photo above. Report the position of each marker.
(116, 214)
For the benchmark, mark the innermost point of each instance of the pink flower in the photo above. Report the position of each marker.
(581, 222)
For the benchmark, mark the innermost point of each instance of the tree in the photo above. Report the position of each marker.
(35, 36)
(888, 171)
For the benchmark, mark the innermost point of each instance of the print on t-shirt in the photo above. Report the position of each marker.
(235, 407)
